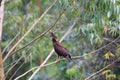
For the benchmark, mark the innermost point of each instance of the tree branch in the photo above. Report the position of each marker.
(38, 37)
(10, 43)
(8, 54)
(74, 57)
(50, 54)
(54, 62)
(2, 75)
(88, 78)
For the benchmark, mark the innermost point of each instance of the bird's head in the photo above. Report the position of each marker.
(54, 38)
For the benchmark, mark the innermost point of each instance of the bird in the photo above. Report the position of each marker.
(59, 48)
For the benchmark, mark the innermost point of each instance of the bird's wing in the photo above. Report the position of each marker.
(62, 48)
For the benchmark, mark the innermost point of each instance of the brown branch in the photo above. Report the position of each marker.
(88, 78)
(13, 65)
(8, 54)
(102, 47)
(10, 43)
(17, 70)
(74, 57)
(2, 76)
(39, 36)
(54, 62)
(50, 54)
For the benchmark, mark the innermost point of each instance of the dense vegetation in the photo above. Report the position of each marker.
(89, 29)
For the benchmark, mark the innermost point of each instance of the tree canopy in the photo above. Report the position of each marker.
(89, 29)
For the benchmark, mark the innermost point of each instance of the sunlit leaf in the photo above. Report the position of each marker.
(106, 72)
(108, 55)
(111, 76)
(71, 71)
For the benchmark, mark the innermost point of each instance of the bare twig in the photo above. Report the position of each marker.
(50, 54)
(1, 18)
(106, 66)
(54, 62)
(102, 47)
(28, 31)
(88, 78)
(25, 73)
(74, 57)
(1, 24)
(13, 66)
(10, 43)
(16, 70)
(38, 37)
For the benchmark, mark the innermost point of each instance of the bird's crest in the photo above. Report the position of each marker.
(53, 35)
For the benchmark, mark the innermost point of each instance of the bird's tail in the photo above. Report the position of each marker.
(69, 58)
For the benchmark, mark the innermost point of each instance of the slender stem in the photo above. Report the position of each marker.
(8, 54)
(10, 43)
(50, 54)
(88, 78)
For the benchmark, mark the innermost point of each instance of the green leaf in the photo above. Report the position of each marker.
(71, 72)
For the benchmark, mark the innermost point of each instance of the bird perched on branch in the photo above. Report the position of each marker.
(59, 49)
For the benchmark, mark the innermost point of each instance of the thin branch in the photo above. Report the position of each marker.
(28, 31)
(1, 25)
(1, 18)
(13, 66)
(102, 47)
(10, 43)
(74, 57)
(39, 36)
(16, 70)
(8, 65)
(106, 66)
(88, 78)
(54, 62)
(50, 54)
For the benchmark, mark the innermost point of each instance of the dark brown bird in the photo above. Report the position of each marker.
(59, 49)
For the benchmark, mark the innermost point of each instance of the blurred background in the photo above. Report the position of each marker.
(95, 38)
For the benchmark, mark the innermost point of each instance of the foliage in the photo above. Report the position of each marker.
(98, 26)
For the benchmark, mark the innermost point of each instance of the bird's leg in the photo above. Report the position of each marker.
(58, 57)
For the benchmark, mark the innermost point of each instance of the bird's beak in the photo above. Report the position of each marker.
(53, 35)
